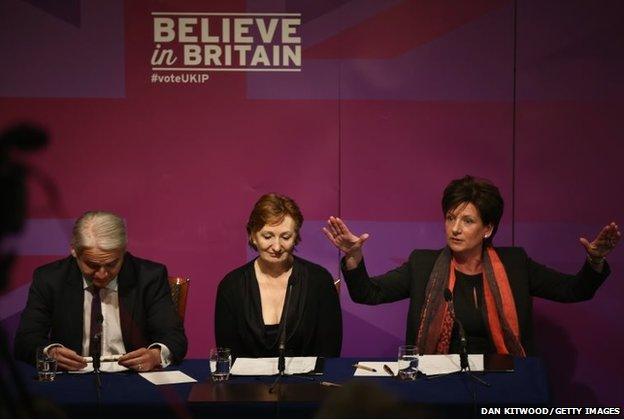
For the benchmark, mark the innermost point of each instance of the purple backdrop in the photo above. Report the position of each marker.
(394, 99)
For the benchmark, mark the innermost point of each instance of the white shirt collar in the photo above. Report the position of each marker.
(112, 285)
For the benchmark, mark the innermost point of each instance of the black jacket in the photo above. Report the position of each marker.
(526, 279)
(313, 322)
(54, 311)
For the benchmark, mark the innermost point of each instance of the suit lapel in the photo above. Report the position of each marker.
(74, 298)
(127, 300)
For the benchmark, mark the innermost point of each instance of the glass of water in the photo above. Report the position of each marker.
(46, 366)
(220, 364)
(408, 362)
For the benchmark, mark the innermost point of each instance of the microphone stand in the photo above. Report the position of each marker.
(281, 359)
(463, 342)
(97, 354)
(463, 345)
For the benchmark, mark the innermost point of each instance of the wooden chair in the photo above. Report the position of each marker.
(179, 291)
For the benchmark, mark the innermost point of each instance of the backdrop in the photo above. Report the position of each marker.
(178, 115)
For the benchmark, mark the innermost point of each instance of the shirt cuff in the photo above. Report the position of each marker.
(357, 270)
(165, 354)
(50, 347)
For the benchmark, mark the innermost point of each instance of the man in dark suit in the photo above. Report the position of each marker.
(101, 291)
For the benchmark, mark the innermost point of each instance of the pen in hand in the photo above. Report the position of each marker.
(368, 368)
(111, 358)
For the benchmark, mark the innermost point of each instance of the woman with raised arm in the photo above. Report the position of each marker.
(489, 288)
(252, 300)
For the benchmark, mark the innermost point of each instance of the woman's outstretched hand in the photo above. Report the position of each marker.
(341, 237)
(607, 239)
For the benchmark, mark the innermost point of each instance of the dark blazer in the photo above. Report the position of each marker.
(313, 322)
(526, 277)
(54, 311)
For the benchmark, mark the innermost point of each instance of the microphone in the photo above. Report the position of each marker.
(97, 342)
(281, 361)
(463, 351)
(97, 354)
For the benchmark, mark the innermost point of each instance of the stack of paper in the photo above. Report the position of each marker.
(268, 366)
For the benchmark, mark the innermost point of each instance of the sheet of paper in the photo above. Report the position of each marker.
(435, 364)
(167, 377)
(262, 366)
(104, 367)
(378, 366)
(429, 364)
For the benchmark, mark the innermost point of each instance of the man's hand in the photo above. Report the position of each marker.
(142, 359)
(67, 358)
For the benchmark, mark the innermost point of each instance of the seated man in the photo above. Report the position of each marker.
(101, 294)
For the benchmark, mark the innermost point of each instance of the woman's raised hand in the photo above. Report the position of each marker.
(339, 234)
(604, 243)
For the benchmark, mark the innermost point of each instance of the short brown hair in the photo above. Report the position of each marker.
(483, 194)
(272, 208)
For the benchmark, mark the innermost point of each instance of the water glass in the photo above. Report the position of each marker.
(220, 364)
(408, 362)
(46, 366)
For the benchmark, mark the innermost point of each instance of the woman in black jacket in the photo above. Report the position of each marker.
(251, 299)
(490, 288)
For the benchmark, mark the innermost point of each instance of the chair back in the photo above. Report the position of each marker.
(179, 292)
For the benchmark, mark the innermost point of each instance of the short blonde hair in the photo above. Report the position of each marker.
(99, 229)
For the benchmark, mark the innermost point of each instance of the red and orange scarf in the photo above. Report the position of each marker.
(436, 322)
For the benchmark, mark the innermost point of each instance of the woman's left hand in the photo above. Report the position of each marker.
(604, 243)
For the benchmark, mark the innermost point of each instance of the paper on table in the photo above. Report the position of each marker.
(435, 364)
(167, 377)
(429, 364)
(104, 367)
(378, 366)
(244, 366)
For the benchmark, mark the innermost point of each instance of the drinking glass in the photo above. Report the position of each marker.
(46, 366)
(408, 362)
(220, 364)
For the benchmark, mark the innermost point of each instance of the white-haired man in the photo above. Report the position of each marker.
(101, 291)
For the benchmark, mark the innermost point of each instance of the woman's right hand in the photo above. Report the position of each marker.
(339, 234)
